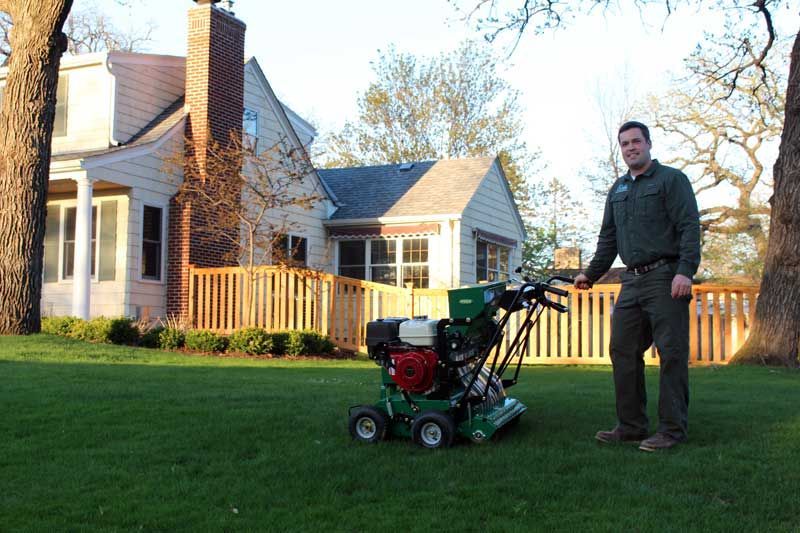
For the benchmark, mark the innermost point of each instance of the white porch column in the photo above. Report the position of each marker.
(82, 271)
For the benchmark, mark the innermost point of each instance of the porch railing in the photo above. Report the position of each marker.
(227, 299)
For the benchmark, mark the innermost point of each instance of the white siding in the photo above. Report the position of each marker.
(490, 209)
(88, 109)
(152, 185)
(272, 128)
(108, 298)
(442, 256)
(141, 92)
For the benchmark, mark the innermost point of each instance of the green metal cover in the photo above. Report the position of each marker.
(469, 302)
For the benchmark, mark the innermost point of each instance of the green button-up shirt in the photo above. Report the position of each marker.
(652, 217)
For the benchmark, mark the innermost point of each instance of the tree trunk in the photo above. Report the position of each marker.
(775, 335)
(26, 125)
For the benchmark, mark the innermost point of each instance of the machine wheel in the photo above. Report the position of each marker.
(368, 424)
(433, 429)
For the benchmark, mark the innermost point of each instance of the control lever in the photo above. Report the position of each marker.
(565, 279)
(556, 290)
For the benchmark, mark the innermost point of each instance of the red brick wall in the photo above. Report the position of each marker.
(215, 97)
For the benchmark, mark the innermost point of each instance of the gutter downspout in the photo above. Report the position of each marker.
(112, 123)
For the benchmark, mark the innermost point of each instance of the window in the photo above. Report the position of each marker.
(291, 249)
(151, 243)
(60, 121)
(491, 261)
(298, 251)
(389, 261)
(68, 269)
(250, 127)
(351, 259)
(415, 263)
(383, 258)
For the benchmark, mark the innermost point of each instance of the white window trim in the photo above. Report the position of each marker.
(398, 257)
(63, 206)
(66, 110)
(497, 270)
(164, 220)
(288, 250)
(257, 134)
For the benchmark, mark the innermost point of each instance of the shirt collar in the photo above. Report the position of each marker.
(647, 173)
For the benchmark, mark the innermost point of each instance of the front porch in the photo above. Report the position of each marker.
(104, 246)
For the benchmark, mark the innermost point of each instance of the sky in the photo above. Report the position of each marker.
(316, 55)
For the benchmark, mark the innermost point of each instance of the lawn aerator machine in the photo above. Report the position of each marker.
(437, 380)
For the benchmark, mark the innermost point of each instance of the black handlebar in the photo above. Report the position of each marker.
(561, 278)
(556, 290)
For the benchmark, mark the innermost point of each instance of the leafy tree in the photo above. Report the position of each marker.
(454, 105)
(774, 336)
(26, 126)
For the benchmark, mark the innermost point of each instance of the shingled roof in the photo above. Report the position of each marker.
(427, 188)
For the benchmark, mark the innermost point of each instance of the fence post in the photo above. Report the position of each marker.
(191, 296)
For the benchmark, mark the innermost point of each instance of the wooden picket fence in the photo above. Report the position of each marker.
(277, 299)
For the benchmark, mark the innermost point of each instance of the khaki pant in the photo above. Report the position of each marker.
(644, 313)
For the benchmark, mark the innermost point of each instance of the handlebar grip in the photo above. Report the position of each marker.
(562, 278)
(555, 290)
(559, 307)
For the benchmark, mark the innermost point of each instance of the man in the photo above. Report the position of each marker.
(651, 221)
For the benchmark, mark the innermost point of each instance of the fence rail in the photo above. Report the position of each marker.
(227, 299)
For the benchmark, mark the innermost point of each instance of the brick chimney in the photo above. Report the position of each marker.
(215, 98)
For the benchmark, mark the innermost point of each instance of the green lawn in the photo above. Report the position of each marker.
(114, 438)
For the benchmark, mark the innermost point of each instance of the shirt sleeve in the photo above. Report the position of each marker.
(682, 211)
(606, 250)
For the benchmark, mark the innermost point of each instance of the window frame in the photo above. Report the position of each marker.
(63, 80)
(398, 263)
(164, 224)
(499, 273)
(284, 240)
(62, 231)
(249, 139)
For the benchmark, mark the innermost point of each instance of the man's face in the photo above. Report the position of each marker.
(635, 149)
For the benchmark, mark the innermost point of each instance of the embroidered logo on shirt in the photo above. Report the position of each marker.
(622, 187)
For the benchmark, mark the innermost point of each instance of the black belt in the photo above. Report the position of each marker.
(644, 269)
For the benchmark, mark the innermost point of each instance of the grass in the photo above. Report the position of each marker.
(108, 438)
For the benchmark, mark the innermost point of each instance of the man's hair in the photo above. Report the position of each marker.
(634, 124)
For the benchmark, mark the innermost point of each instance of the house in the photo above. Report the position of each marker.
(119, 243)
(434, 224)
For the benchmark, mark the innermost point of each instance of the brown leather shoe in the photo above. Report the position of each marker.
(618, 435)
(659, 441)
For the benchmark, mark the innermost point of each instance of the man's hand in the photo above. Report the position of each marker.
(583, 282)
(681, 286)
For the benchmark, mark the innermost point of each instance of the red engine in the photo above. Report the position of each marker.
(413, 369)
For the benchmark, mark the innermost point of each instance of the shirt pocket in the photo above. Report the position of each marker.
(619, 201)
(651, 202)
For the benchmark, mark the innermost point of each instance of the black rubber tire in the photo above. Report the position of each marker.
(368, 424)
(433, 429)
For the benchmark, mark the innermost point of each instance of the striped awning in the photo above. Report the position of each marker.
(494, 238)
(376, 232)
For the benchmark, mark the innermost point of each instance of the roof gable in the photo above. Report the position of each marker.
(280, 113)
